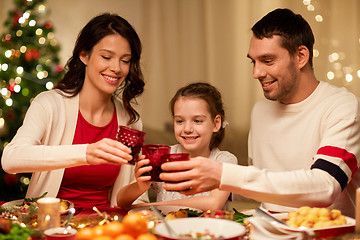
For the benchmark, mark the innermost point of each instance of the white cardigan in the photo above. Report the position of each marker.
(43, 145)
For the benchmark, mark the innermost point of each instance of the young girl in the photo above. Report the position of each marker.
(199, 127)
(68, 136)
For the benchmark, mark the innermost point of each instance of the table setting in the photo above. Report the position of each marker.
(50, 218)
(49, 221)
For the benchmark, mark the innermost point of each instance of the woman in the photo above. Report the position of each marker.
(68, 135)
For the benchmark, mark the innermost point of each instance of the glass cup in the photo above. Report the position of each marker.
(173, 157)
(132, 138)
(154, 152)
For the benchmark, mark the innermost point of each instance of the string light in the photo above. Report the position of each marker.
(17, 88)
(40, 75)
(319, 18)
(41, 8)
(32, 23)
(49, 85)
(23, 49)
(42, 40)
(20, 70)
(38, 31)
(348, 77)
(4, 91)
(9, 102)
(4, 67)
(26, 15)
(21, 20)
(311, 8)
(8, 53)
(330, 75)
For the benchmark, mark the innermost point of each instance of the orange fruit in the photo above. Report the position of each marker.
(124, 237)
(85, 233)
(135, 224)
(146, 236)
(113, 229)
(98, 230)
(102, 238)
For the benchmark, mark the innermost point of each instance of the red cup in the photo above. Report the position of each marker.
(132, 138)
(154, 152)
(175, 157)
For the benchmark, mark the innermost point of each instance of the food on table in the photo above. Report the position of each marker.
(146, 236)
(135, 224)
(201, 235)
(315, 217)
(240, 217)
(9, 230)
(64, 205)
(132, 227)
(5, 226)
(182, 213)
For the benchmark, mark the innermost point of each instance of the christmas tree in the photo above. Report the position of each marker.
(29, 64)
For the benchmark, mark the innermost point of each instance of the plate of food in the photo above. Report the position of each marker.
(323, 222)
(166, 209)
(27, 204)
(201, 228)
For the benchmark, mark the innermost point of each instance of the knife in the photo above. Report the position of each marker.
(267, 215)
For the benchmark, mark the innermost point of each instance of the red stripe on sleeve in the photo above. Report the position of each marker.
(348, 158)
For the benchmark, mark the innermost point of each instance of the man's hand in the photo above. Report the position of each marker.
(190, 177)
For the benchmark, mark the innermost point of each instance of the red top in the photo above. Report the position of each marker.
(88, 186)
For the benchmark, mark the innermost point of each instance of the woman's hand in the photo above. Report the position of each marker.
(142, 166)
(199, 174)
(107, 151)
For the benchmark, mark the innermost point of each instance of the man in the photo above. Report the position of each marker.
(304, 140)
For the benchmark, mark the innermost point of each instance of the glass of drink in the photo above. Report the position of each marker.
(132, 138)
(154, 152)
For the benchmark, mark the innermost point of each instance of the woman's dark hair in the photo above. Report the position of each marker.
(293, 29)
(212, 96)
(95, 30)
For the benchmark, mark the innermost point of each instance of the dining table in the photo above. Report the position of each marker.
(88, 216)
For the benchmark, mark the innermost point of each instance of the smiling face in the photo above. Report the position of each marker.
(194, 126)
(275, 69)
(107, 65)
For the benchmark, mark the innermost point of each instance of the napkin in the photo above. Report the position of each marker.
(263, 229)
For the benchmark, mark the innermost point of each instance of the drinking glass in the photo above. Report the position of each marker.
(132, 138)
(154, 152)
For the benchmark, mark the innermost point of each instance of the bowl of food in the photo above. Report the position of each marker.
(201, 228)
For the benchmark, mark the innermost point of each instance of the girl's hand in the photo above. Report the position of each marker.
(142, 166)
(107, 151)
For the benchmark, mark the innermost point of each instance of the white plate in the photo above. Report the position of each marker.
(321, 232)
(15, 204)
(164, 209)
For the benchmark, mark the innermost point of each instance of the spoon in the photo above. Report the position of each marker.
(70, 216)
(170, 230)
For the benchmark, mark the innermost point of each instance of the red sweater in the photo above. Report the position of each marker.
(88, 186)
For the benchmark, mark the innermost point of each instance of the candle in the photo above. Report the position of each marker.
(48, 212)
(357, 211)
